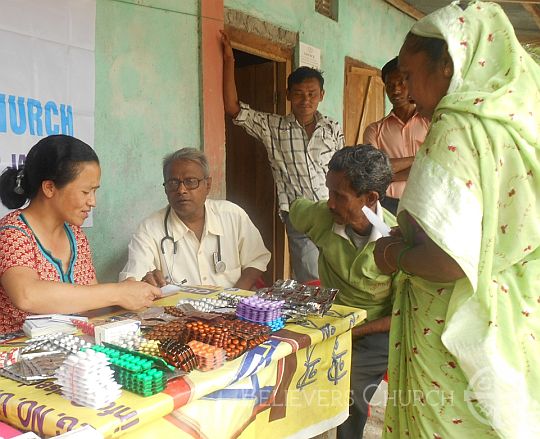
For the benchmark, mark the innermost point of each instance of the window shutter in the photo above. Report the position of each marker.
(328, 8)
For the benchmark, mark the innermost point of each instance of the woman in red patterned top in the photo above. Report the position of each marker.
(45, 260)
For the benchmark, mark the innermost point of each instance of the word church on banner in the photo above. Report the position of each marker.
(48, 86)
(22, 115)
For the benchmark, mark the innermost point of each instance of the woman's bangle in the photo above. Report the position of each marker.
(400, 257)
(384, 254)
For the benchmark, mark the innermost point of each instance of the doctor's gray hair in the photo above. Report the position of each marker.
(367, 168)
(192, 154)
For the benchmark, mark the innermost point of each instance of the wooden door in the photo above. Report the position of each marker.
(363, 100)
(249, 178)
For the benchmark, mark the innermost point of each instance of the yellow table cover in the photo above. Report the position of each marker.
(294, 385)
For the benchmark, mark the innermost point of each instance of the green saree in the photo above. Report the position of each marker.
(465, 356)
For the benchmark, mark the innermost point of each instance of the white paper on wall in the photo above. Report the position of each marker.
(310, 56)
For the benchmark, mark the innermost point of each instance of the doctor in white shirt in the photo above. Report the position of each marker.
(195, 240)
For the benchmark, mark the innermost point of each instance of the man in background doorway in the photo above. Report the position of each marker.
(299, 147)
(399, 134)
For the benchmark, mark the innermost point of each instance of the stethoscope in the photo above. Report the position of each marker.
(219, 264)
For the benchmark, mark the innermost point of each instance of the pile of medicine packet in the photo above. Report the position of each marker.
(87, 379)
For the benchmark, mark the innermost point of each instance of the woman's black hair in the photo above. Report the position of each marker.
(55, 158)
(434, 48)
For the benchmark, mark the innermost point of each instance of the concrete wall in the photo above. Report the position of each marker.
(368, 30)
(147, 105)
(149, 99)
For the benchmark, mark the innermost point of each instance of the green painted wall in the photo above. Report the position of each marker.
(148, 92)
(147, 105)
(370, 31)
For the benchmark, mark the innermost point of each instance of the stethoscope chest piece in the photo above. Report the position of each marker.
(219, 265)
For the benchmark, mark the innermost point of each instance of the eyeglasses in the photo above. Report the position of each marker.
(189, 183)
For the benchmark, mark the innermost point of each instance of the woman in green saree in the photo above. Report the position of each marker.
(464, 357)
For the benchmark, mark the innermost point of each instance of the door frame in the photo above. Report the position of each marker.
(284, 55)
(351, 65)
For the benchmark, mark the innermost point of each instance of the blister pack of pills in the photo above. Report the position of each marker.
(7, 358)
(67, 343)
(309, 300)
(227, 332)
(153, 316)
(145, 383)
(231, 298)
(258, 310)
(114, 331)
(84, 326)
(179, 355)
(208, 357)
(34, 367)
(129, 341)
(164, 331)
(149, 347)
(139, 373)
(233, 335)
(186, 311)
(87, 379)
(208, 304)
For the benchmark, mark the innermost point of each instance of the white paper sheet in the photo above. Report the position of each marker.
(378, 223)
